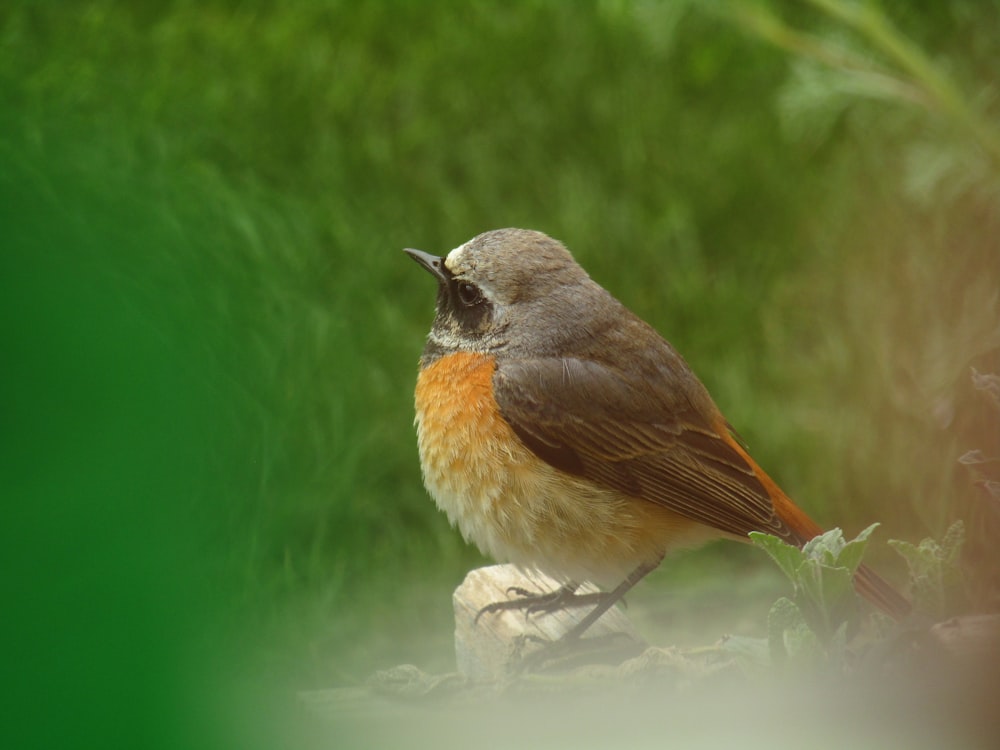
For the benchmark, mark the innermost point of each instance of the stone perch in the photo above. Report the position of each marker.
(493, 647)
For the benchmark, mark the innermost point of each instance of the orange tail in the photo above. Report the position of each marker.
(880, 592)
(867, 582)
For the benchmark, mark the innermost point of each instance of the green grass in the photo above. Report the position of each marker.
(238, 179)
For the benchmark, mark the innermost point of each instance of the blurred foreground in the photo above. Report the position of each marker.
(209, 337)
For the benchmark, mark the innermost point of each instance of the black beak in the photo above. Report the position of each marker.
(432, 263)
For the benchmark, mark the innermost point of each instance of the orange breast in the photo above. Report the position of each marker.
(514, 506)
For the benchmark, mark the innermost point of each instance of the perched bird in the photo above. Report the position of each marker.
(562, 433)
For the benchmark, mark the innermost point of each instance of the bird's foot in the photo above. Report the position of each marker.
(533, 603)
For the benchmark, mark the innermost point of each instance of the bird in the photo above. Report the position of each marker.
(562, 433)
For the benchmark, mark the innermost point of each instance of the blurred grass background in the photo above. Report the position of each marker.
(211, 333)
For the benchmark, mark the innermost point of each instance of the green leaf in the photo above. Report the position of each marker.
(825, 547)
(784, 614)
(828, 592)
(852, 553)
(933, 568)
(952, 542)
(788, 557)
(803, 646)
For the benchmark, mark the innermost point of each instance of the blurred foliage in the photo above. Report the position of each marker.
(822, 576)
(934, 571)
(980, 507)
(811, 628)
(803, 197)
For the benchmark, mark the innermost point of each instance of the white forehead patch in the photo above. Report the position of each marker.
(454, 260)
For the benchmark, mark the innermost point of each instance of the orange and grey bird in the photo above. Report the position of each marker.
(562, 433)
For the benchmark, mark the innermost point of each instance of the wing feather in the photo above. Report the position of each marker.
(626, 432)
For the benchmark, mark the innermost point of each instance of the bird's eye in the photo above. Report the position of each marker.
(469, 294)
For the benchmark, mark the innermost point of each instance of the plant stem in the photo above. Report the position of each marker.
(867, 19)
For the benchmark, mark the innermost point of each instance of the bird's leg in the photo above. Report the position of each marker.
(567, 649)
(570, 647)
(608, 600)
(532, 603)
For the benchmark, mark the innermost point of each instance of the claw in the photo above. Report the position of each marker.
(534, 603)
(518, 591)
(562, 598)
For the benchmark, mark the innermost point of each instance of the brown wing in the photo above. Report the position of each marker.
(629, 433)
